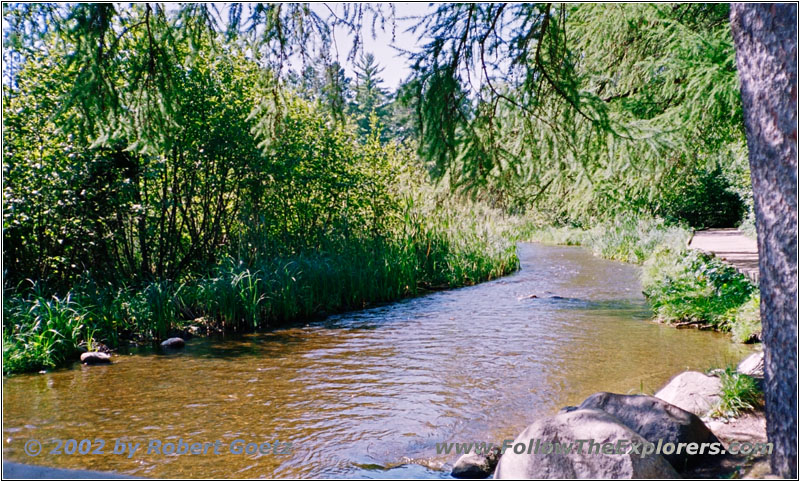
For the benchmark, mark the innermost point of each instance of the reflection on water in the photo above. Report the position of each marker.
(368, 394)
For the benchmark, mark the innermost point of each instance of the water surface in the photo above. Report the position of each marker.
(369, 393)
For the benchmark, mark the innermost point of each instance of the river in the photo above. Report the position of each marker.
(369, 393)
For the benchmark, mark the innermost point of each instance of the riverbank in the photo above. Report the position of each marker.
(685, 287)
(365, 391)
(437, 246)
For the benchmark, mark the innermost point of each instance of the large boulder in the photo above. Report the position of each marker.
(95, 358)
(692, 391)
(476, 465)
(173, 343)
(563, 462)
(752, 365)
(656, 421)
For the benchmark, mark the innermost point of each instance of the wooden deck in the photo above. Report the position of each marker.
(730, 245)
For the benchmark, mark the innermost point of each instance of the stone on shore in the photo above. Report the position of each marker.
(656, 420)
(694, 392)
(95, 358)
(752, 365)
(173, 343)
(568, 427)
(476, 466)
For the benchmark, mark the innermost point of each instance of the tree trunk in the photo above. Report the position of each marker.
(766, 51)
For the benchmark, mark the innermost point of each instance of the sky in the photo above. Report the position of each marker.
(395, 65)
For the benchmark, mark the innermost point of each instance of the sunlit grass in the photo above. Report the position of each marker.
(43, 333)
(438, 246)
(739, 393)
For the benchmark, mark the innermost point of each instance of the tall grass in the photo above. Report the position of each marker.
(437, 245)
(632, 240)
(738, 393)
(46, 332)
(350, 276)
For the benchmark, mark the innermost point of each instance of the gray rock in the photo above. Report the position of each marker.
(694, 392)
(476, 466)
(753, 365)
(95, 358)
(569, 427)
(656, 420)
(173, 343)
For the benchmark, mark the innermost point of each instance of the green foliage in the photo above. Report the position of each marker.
(704, 200)
(586, 111)
(634, 240)
(745, 321)
(41, 332)
(739, 393)
(690, 286)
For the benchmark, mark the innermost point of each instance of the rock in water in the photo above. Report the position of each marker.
(752, 365)
(656, 420)
(694, 392)
(566, 428)
(173, 343)
(95, 358)
(476, 466)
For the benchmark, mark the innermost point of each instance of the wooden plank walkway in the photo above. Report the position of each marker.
(730, 245)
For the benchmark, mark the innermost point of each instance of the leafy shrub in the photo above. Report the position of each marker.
(705, 199)
(690, 286)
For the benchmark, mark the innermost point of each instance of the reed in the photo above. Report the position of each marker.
(438, 244)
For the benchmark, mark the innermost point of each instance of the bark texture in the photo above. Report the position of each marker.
(765, 36)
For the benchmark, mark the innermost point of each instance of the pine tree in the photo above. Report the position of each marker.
(370, 97)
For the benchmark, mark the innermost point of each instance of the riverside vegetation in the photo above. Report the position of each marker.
(176, 176)
(683, 287)
(128, 238)
(358, 223)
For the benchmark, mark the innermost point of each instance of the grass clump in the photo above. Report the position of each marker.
(634, 240)
(739, 393)
(46, 332)
(745, 321)
(627, 239)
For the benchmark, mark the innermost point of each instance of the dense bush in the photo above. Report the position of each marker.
(704, 199)
(690, 286)
(235, 200)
